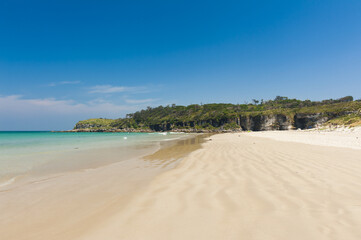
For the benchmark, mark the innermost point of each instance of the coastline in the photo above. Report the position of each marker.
(132, 130)
(226, 186)
(63, 205)
(42, 153)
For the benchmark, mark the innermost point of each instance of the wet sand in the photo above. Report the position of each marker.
(66, 204)
(244, 187)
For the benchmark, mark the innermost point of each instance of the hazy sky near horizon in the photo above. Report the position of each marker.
(63, 61)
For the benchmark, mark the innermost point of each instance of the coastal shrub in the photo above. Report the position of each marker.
(222, 115)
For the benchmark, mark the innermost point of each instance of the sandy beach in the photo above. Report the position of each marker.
(66, 204)
(264, 185)
(180, 120)
(243, 187)
(339, 137)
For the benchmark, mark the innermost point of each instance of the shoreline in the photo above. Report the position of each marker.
(64, 205)
(86, 159)
(148, 131)
(78, 156)
(235, 186)
(322, 128)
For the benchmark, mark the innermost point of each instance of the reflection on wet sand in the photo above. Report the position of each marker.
(172, 152)
(71, 200)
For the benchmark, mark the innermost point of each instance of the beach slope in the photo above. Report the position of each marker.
(244, 187)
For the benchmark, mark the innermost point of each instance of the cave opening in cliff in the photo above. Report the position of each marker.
(301, 123)
(257, 123)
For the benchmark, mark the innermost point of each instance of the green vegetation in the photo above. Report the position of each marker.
(351, 120)
(249, 116)
(95, 123)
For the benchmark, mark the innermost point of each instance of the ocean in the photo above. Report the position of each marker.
(27, 153)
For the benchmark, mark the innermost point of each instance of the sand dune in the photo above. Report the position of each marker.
(244, 187)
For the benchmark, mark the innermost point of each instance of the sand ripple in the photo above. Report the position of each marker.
(243, 187)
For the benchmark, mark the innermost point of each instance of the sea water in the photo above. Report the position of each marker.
(22, 152)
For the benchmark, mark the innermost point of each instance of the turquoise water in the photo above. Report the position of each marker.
(20, 152)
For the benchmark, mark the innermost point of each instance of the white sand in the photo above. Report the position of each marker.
(341, 137)
(244, 187)
(63, 206)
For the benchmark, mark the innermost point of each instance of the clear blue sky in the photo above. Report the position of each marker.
(62, 61)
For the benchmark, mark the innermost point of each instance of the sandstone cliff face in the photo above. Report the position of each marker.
(306, 121)
(266, 122)
(282, 122)
(257, 123)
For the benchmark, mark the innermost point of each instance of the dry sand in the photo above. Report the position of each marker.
(237, 186)
(339, 137)
(244, 187)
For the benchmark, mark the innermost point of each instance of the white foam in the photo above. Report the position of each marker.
(170, 139)
(8, 182)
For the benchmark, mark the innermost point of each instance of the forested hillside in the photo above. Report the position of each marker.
(278, 114)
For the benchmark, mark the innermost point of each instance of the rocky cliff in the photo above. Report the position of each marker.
(250, 123)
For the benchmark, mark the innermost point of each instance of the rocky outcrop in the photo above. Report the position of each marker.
(252, 123)
(265, 122)
(87, 126)
(255, 123)
(306, 121)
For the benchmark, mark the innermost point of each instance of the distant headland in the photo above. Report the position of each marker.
(281, 113)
